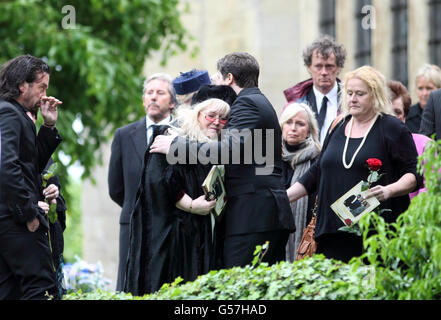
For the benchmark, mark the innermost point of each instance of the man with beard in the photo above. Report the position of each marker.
(127, 155)
(26, 266)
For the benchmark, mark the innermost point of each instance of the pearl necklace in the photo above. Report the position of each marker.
(348, 166)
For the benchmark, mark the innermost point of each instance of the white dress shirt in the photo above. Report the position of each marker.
(331, 111)
(150, 123)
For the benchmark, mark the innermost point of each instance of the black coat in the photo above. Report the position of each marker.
(24, 155)
(413, 119)
(26, 269)
(166, 242)
(56, 229)
(256, 198)
(256, 203)
(125, 167)
(431, 118)
(125, 171)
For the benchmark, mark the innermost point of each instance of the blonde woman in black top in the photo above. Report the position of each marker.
(367, 130)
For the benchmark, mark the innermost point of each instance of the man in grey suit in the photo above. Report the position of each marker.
(431, 118)
(127, 155)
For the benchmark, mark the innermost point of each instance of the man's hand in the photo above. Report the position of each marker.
(43, 205)
(161, 144)
(33, 225)
(49, 110)
(51, 192)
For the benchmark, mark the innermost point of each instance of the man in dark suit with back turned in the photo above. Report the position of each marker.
(128, 148)
(431, 118)
(257, 208)
(26, 267)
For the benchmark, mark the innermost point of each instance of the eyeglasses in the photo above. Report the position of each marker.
(212, 118)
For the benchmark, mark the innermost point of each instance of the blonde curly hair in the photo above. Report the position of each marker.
(377, 86)
(187, 118)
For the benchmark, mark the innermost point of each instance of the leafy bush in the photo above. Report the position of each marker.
(311, 278)
(404, 262)
(407, 254)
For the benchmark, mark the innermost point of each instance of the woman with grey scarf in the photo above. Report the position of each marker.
(300, 147)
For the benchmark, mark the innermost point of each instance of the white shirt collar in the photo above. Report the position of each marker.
(150, 122)
(331, 95)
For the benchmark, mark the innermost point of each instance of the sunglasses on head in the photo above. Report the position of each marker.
(213, 118)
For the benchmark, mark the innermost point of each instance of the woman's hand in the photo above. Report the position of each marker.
(161, 144)
(202, 206)
(382, 193)
(403, 186)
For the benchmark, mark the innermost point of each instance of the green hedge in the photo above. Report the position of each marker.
(311, 278)
(404, 262)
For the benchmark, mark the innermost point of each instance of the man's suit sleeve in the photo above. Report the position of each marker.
(47, 141)
(12, 183)
(427, 126)
(115, 177)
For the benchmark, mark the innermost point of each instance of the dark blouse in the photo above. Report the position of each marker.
(389, 140)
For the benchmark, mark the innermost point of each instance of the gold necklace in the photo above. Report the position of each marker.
(348, 166)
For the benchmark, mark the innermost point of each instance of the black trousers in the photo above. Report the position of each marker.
(239, 249)
(341, 246)
(26, 268)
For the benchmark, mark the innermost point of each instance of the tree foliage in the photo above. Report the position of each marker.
(96, 63)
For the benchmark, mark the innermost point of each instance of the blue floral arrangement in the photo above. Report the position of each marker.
(84, 276)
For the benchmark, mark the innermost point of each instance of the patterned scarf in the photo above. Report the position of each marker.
(300, 158)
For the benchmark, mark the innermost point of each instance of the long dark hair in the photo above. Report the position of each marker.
(18, 70)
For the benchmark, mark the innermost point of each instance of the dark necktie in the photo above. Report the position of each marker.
(322, 115)
(155, 130)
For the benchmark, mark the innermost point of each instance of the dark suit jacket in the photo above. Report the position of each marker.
(431, 118)
(125, 171)
(413, 119)
(256, 202)
(24, 155)
(125, 167)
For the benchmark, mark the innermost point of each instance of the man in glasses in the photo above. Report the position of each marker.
(257, 208)
(324, 58)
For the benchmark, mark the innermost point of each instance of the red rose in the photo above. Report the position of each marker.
(348, 222)
(374, 164)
